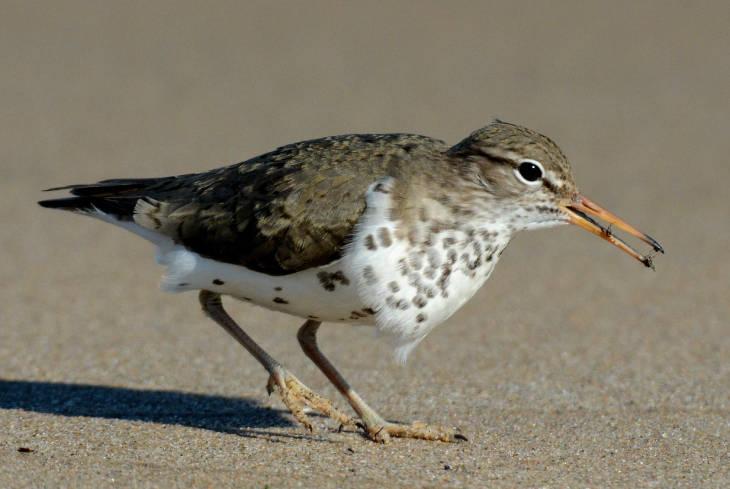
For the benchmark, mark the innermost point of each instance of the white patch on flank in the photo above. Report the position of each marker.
(302, 294)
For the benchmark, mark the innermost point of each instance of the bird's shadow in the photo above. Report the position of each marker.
(209, 412)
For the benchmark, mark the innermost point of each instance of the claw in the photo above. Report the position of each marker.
(296, 396)
(417, 430)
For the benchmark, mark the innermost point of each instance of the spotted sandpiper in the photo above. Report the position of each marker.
(395, 230)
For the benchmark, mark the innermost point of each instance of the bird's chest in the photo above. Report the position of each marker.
(415, 275)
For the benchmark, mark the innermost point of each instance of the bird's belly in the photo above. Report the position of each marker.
(325, 293)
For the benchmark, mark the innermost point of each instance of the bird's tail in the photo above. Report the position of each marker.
(116, 197)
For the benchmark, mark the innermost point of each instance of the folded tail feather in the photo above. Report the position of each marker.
(117, 197)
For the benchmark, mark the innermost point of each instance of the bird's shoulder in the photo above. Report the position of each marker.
(284, 211)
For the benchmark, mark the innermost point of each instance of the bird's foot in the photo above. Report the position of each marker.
(296, 396)
(382, 432)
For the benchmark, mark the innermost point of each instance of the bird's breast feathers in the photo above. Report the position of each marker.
(415, 273)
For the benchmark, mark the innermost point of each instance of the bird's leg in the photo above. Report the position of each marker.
(376, 428)
(292, 391)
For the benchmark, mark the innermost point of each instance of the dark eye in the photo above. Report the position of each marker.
(529, 171)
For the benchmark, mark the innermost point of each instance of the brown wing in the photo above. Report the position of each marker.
(278, 213)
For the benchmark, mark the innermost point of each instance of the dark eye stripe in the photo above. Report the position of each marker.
(549, 185)
(506, 161)
(496, 158)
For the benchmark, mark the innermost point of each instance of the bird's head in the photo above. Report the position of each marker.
(530, 184)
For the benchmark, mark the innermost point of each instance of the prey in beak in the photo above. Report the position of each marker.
(580, 211)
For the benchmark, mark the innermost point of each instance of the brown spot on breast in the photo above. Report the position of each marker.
(369, 275)
(384, 236)
(443, 281)
(393, 286)
(279, 300)
(421, 317)
(370, 243)
(420, 301)
(437, 227)
(403, 267)
(471, 264)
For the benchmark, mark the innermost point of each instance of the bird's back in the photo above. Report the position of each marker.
(279, 213)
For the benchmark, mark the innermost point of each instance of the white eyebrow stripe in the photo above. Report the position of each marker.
(552, 180)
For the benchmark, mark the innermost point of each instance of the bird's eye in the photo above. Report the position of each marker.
(529, 172)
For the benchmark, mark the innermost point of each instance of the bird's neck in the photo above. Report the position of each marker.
(452, 202)
(450, 219)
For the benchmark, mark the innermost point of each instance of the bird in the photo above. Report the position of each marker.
(394, 230)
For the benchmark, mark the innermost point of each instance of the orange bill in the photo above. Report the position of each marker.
(579, 213)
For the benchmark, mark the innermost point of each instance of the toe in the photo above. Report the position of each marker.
(417, 430)
(380, 434)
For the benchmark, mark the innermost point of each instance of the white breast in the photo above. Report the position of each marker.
(416, 280)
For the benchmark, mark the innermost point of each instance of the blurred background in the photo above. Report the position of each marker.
(573, 364)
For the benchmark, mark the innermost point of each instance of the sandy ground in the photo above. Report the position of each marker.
(573, 367)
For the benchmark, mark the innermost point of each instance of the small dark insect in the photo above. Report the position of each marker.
(648, 260)
(25, 450)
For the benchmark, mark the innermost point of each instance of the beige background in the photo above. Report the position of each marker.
(574, 367)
